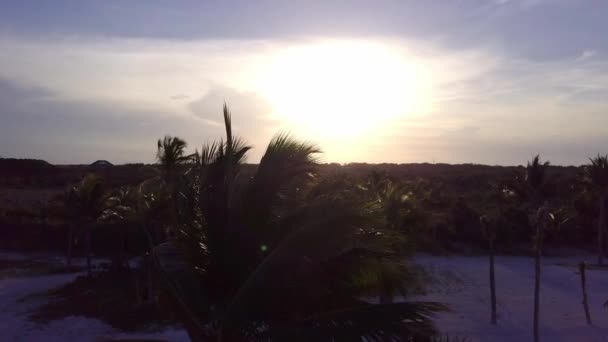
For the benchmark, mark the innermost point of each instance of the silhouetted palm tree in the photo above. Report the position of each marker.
(536, 180)
(278, 257)
(597, 176)
(393, 196)
(171, 153)
(171, 156)
(121, 208)
(376, 182)
(395, 208)
(144, 209)
(86, 201)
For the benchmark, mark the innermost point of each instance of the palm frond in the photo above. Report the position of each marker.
(88, 197)
(366, 272)
(597, 172)
(228, 126)
(209, 153)
(306, 256)
(315, 234)
(536, 177)
(286, 165)
(120, 206)
(170, 153)
(535, 172)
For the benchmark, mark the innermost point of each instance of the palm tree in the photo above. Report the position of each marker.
(86, 201)
(145, 208)
(535, 184)
(395, 209)
(170, 154)
(494, 209)
(393, 196)
(536, 179)
(121, 208)
(278, 256)
(597, 176)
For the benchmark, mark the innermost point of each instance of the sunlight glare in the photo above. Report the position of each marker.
(344, 88)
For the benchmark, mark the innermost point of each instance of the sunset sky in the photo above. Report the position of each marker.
(460, 81)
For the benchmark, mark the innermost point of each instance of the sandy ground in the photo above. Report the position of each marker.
(463, 283)
(15, 325)
(460, 282)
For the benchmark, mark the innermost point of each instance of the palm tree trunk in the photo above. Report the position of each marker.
(492, 283)
(537, 279)
(581, 268)
(386, 296)
(150, 275)
(70, 240)
(123, 250)
(119, 261)
(138, 292)
(88, 239)
(601, 222)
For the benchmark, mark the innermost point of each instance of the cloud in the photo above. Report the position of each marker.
(179, 97)
(545, 28)
(145, 73)
(586, 54)
(37, 124)
(13, 95)
(512, 108)
(526, 4)
(465, 132)
(251, 115)
(511, 81)
(226, 20)
(68, 98)
(532, 3)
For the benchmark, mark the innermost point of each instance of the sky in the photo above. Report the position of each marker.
(461, 81)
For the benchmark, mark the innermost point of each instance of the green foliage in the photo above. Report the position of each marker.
(121, 206)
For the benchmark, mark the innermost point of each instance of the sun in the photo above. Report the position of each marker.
(343, 88)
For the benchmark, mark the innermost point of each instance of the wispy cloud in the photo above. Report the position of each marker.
(525, 4)
(179, 97)
(586, 54)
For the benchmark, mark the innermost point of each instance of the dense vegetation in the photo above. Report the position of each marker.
(290, 247)
(445, 203)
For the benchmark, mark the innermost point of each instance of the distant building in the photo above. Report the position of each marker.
(101, 163)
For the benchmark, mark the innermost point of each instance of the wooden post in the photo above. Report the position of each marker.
(490, 235)
(536, 293)
(70, 241)
(88, 238)
(492, 283)
(540, 222)
(601, 222)
(581, 268)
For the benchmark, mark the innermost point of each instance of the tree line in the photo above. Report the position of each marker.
(290, 248)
